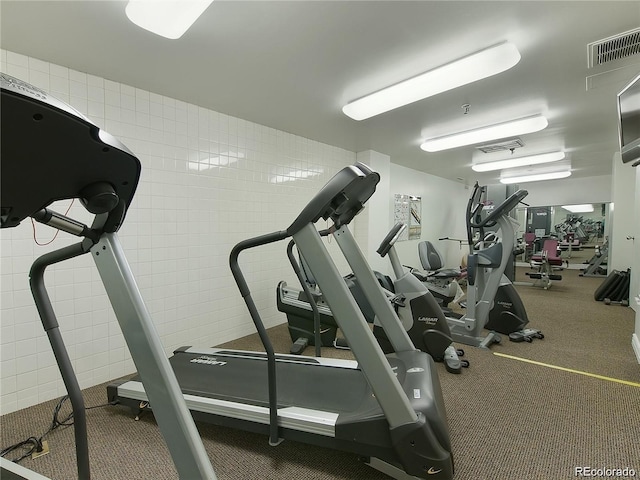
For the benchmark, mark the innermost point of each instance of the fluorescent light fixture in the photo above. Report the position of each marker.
(167, 18)
(518, 162)
(584, 208)
(477, 66)
(536, 177)
(491, 132)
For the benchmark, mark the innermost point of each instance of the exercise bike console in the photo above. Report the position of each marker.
(391, 238)
(503, 209)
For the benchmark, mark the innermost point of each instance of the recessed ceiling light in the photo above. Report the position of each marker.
(536, 177)
(482, 134)
(518, 162)
(477, 66)
(167, 18)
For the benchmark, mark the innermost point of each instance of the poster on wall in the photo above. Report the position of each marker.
(408, 210)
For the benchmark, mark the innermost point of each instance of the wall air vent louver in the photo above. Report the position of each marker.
(511, 144)
(613, 48)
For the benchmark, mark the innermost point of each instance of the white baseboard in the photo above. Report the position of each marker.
(635, 342)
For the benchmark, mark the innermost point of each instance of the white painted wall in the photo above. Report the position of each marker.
(621, 251)
(443, 214)
(208, 181)
(635, 269)
(624, 252)
(568, 191)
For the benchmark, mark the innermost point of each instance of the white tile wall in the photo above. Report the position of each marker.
(208, 181)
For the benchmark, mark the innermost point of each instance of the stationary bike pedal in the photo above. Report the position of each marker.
(453, 365)
(298, 346)
(517, 337)
(525, 335)
(533, 333)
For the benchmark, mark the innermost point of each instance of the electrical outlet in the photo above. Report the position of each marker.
(45, 450)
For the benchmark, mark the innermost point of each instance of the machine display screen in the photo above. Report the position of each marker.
(629, 122)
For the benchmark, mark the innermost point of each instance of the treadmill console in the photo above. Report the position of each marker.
(52, 152)
(341, 199)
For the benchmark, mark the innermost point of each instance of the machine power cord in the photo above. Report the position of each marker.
(33, 444)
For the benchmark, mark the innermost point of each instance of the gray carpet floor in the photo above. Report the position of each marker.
(509, 419)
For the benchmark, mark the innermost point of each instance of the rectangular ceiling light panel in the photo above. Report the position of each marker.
(536, 177)
(483, 134)
(477, 66)
(167, 18)
(518, 162)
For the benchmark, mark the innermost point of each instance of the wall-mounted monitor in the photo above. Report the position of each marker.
(629, 122)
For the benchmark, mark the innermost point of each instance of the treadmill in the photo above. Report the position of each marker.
(51, 152)
(388, 409)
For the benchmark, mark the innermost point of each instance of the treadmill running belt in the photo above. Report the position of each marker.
(235, 378)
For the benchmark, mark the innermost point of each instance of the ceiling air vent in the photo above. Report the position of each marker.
(511, 144)
(613, 48)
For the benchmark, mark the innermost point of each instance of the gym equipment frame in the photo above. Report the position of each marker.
(51, 152)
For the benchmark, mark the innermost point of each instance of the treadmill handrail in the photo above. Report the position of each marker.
(51, 327)
(274, 437)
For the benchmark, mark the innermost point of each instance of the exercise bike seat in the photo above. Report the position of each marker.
(433, 264)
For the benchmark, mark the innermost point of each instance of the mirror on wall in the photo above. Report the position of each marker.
(585, 223)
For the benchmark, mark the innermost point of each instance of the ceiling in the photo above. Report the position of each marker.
(293, 65)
